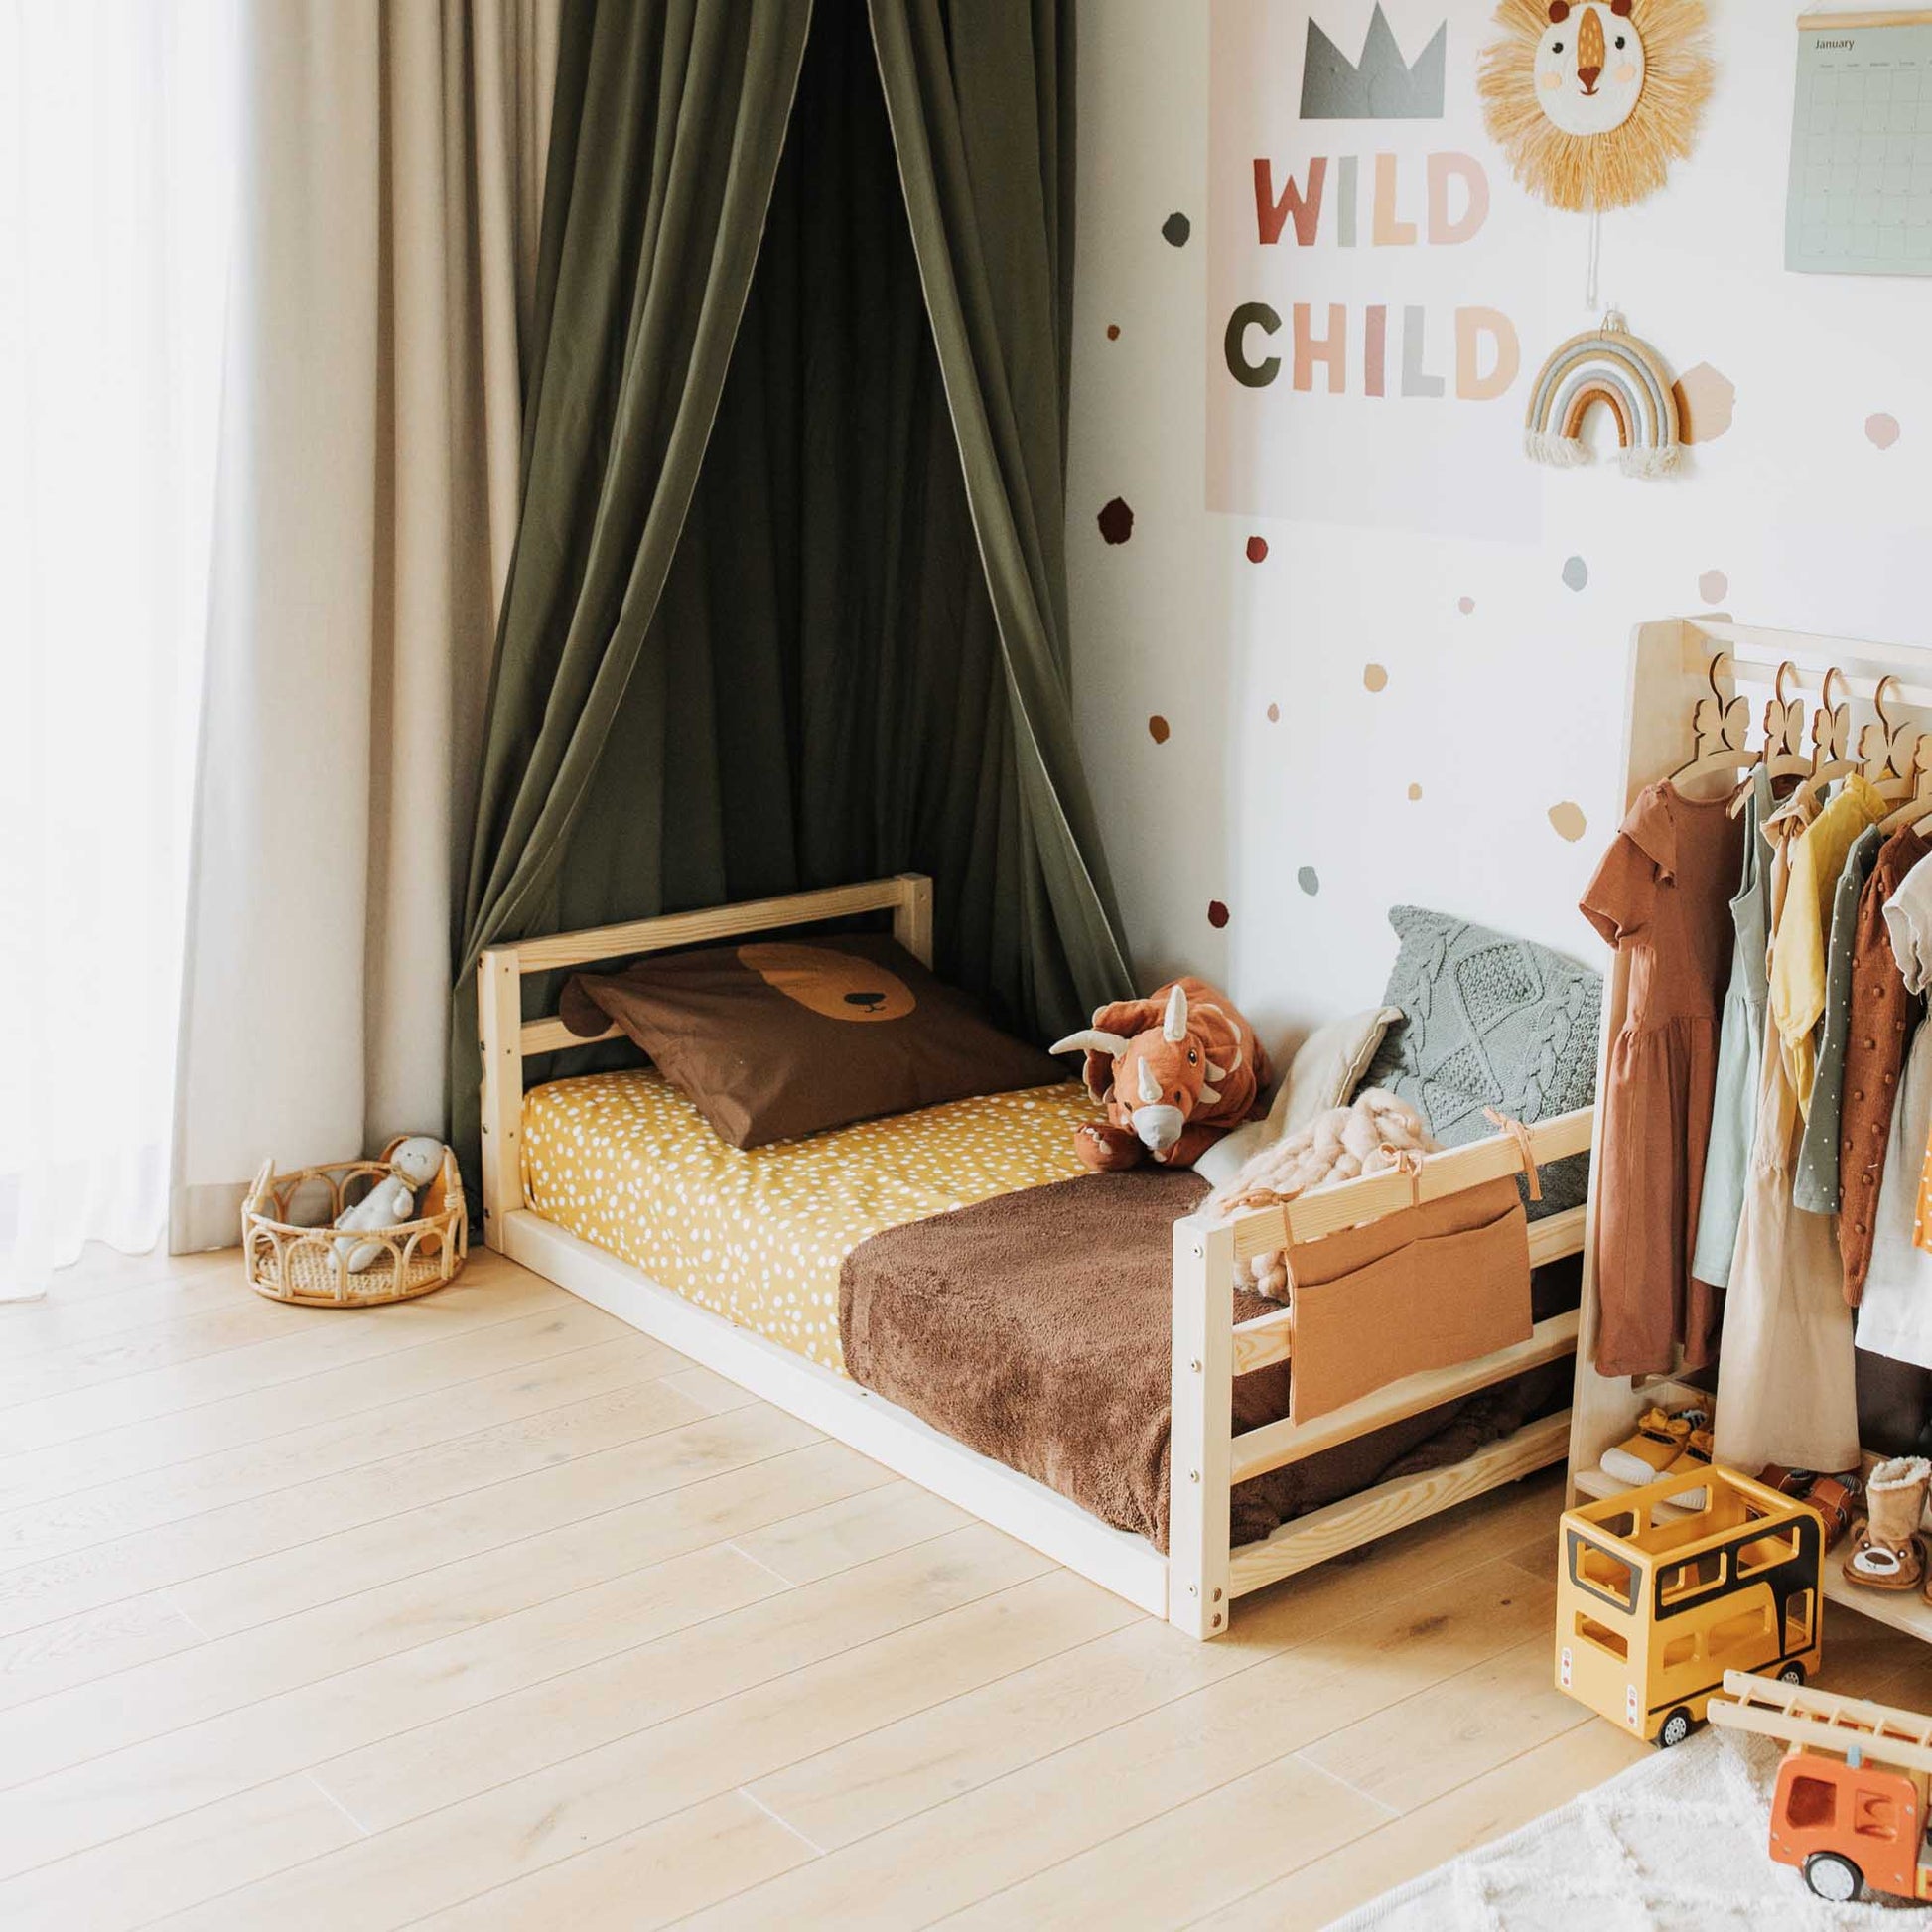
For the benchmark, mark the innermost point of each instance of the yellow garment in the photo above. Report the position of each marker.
(1798, 952)
(758, 1234)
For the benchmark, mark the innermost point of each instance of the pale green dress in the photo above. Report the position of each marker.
(1740, 1054)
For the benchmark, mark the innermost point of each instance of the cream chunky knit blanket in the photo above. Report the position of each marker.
(1368, 1136)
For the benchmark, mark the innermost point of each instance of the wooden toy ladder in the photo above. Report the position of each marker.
(1799, 1714)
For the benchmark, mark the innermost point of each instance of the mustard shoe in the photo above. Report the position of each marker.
(1657, 1444)
(1695, 1455)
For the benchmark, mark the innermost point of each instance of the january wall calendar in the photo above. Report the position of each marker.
(1860, 195)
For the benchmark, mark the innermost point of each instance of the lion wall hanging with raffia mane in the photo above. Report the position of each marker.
(1592, 101)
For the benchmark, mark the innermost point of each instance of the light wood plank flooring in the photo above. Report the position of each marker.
(486, 1611)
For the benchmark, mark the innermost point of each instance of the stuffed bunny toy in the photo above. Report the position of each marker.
(414, 1162)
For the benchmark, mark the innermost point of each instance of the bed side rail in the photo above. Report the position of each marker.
(1262, 1230)
(1211, 1348)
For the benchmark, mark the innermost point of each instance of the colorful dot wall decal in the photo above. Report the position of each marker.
(1466, 605)
(1308, 879)
(1414, 792)
(1375, 677)
(1568, 821)
(1257, 550)
(1116, 521)
(1713, 587)
(1157, 728)
(1175, 229)
(1706, 402)
(1113, 331)
(1576, 573)
(1217, 914)
(1274, 714)
(1882, 429)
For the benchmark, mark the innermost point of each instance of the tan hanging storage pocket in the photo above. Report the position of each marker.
(1428, 1286)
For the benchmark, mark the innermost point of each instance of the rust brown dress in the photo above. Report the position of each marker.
(1662, 898)
(1883, 1013)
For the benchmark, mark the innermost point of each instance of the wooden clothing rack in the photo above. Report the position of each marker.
(1870, 709)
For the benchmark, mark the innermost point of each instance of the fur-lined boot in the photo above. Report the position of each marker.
(1885, 1552)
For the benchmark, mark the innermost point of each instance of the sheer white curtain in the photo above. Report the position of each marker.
(117, 158)
(384, 261)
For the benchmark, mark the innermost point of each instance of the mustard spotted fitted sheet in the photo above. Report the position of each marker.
(758, 1234)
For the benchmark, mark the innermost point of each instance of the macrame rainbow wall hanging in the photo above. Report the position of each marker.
(1607, 366)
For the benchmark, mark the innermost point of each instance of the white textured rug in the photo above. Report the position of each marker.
(1675, 1844)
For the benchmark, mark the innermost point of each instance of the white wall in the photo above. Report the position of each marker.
(1504, 713)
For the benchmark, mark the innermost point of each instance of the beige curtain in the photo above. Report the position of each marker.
(368, 498)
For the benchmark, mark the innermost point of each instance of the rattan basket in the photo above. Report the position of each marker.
(291, 1263)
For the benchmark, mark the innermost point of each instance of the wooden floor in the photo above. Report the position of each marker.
(486, 1611)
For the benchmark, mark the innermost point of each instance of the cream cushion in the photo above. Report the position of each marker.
(1324, 1072)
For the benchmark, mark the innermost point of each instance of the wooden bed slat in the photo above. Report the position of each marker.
(1389, 1506)
(1266, 1339)
(1557, 1236)
(552, 1036)
(907, 893)
(1266, 1229)
(1278, 1444)
(1270, 1339)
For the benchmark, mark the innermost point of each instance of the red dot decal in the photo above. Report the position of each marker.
(1274, 714)
(1157, 728)
(1113, 331)
(1257, 550)
(1217, 914)
(1116, 521)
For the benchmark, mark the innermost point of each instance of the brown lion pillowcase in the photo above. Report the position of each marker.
(785, 1037)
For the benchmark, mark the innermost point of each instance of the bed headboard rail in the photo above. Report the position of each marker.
(506, 1038)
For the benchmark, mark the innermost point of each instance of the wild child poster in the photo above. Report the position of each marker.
(1369, 322)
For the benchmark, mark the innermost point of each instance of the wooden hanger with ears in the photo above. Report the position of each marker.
(1894, 757)
(1831, 733)
(1722, 725)
(1784, 734)
(1911, 788)
(1916, 810)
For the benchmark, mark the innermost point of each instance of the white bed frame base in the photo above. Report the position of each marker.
(1127, 1564)
(1194, 1585)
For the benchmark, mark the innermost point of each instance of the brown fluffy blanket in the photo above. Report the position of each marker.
(1035, 1327)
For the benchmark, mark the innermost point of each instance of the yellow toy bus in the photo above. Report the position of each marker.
(1654, 1604)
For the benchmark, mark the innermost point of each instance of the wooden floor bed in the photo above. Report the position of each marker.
(1192, 1587)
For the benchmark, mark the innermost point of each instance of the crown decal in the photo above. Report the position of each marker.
(1385, 87)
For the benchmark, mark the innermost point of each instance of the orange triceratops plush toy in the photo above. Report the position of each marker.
(1178, 1070)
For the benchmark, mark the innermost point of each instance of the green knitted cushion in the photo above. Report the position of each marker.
(1490, 1022)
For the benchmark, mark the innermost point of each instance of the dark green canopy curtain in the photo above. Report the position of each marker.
(787, 605)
